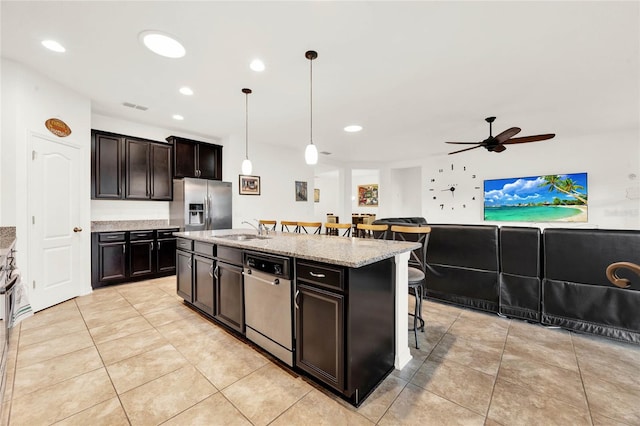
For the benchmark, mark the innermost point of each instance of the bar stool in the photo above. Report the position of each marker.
(269, 224)
(417, 268)
(334, 229)
(372, 231)
(285, 224)
(302, 226)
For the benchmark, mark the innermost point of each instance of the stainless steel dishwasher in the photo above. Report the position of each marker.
(268, 298)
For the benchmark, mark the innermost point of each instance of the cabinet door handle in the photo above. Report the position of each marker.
(211, 271)
(295, 299)
(189, 263)
(316, 275)
(151, 245)
(124, 248)
(216, 272)
(158, 245)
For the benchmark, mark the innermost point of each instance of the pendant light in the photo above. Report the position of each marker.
(246, 164)
(311, 153)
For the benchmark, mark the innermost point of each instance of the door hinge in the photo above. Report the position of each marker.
(33, 220)
(33, 154)
(34, 284)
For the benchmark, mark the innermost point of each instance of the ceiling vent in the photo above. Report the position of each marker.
(134, 106)
(325, 153)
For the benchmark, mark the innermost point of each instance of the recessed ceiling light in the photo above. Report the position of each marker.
(53, 45)
(186, 91)
(177, 117)
(162, 44)
(353, 128)
(257, 65)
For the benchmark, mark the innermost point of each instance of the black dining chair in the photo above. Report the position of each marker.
(417, 268)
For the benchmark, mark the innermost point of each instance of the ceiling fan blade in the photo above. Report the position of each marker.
(535, 138)
(464, 143)
(466, 149)
(507, 134)
(499, 148)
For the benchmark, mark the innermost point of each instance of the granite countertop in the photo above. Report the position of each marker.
(7, 241)
(345, 251)
(129, 225)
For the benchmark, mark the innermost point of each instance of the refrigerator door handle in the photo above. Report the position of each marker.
(209, 215)
(206, 211)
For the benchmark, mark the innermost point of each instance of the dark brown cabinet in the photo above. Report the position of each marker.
(143, 167)
(320, 322)
(184, 277)
(203, 284)
(141, 249)
(118, 257)
(161, 172)
(229, 288)
(137, 169)
(196, 159)
(166, 252)
(111, 253)
(106, 166)
(345, 325)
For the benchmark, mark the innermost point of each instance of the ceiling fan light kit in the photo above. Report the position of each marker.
(497, 143)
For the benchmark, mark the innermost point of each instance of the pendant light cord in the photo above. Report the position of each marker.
(311, 100)
(246, 126)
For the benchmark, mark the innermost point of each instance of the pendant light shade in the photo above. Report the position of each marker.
(311, 153)
(247, 168)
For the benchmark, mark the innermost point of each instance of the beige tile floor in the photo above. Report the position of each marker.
(134, 354)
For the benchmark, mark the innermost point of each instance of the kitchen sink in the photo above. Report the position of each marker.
(242, 237)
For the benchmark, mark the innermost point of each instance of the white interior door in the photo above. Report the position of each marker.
(53, 200)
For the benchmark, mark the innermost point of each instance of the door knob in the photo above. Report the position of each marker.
(77, 229)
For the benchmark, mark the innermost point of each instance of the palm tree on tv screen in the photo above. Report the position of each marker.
(567, 186)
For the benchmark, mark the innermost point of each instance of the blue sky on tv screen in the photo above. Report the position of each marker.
(523, 190)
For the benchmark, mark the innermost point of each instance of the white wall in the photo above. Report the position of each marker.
(610, 160)
(405, 195)
(28, 100)
(278, 169)
(330, 190)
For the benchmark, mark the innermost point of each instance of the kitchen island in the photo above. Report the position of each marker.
(350, 303)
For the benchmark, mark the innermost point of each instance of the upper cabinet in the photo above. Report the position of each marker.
(196, 159)
(106, 166)
(129, 168)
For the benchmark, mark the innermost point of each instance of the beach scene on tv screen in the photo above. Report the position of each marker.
(549, 198)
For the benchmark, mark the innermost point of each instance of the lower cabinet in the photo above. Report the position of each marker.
(320, 334)
(118, 257)
(184, 276)
(203, 285)
(230, 295)
(112, 261)
(212, 283)
(345, 325)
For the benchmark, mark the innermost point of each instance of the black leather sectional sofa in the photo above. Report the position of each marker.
(556, 277)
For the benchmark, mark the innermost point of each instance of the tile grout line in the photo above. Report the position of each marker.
(584, 388)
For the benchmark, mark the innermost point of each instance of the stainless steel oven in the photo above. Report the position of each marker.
(268, 300)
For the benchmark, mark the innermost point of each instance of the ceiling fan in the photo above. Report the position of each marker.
(497, 143)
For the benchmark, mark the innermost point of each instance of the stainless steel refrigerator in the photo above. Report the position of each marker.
(200, 204)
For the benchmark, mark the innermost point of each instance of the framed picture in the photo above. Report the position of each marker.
(301, 191)
(316, 195)
(548, 198)
(249, 185)
(368, 195)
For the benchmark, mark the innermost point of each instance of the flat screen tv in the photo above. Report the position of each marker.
(550, 198)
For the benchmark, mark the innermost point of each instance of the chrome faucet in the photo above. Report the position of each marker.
(260, 228)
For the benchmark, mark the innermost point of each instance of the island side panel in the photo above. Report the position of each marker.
(403, 355)
(370, 333)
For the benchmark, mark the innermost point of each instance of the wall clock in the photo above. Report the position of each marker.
(453, 187)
